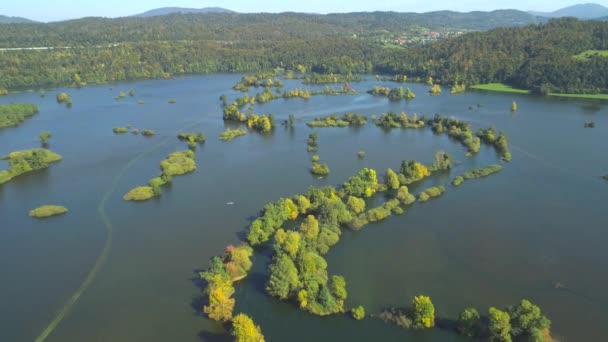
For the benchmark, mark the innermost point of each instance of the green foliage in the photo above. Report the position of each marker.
(457, 129)
(358, 313)
(526, 318)
(312, 142)
(404, 196)
(230, 134)
(499, 87)
(424, 312)
(432, 192)
(319, 169)
(482, 172)
(443, 161)
(350, 119)
(45, 137)
(469, 323)
(120, 130)
(500, 143)
(413, 171)
(284, 278)
(178, 163)
(147, 132)
(362, 185)
(192, 137)
(48, 211)
(499, 327)
(458, 181)
(391, 179)
(361, 154)
(63, 97)
(355, 205)
(394, 94)
(25, 161)
(141, 193)
(262, 124)
(14, 114)
(237, 261)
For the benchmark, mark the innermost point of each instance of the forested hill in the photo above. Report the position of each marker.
(539, 58)
(240, 27)
(14, 20)
(543, 58)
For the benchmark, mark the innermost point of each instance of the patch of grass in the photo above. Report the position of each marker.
(499, 87)
(590, 53)
(48, 211)
(178, 163)
(583, 96)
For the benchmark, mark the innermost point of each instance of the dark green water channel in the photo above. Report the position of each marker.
(491, 242)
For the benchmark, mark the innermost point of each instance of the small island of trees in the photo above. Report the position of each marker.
(47, 211)
(350, 119)
(13, 114)
(230, 134)
(394, 94)
(176, 164)
(27, 161)
(393, 120)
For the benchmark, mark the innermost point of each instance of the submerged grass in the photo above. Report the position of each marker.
(499, 87)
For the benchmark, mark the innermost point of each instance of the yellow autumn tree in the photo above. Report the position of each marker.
(245, 330)
(424, 312)
(220, 304)
(292, 209)
(421, 171)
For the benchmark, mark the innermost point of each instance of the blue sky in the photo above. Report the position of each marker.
(52, 10)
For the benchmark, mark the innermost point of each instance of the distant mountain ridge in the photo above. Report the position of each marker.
(173, 10)
(14, 20)
(581, 11)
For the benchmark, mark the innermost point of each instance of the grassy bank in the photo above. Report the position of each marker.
(583, 96)
(499, 87)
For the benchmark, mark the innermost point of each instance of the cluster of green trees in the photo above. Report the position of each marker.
(477, 173)
(65, 98)
(521, 322)
(120, 130)
(148, 132)
(457, 129)
(394, 94)
(500, 143)
(312, 144)
(176, 164)
(14, 114)
(350, 119)
(230, 134)
(192, 139)
(25, 161)
(432, 192)
(420, 315)
(263, 124)
(393, 120)
(264, 80)
(318, 168)
(44, 138)
(48, 211)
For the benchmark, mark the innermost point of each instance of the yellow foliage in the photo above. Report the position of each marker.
(244, 330)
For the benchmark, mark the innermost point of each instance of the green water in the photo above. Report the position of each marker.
(490, 242)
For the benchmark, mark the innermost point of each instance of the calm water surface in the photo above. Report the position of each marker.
(490, 242)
